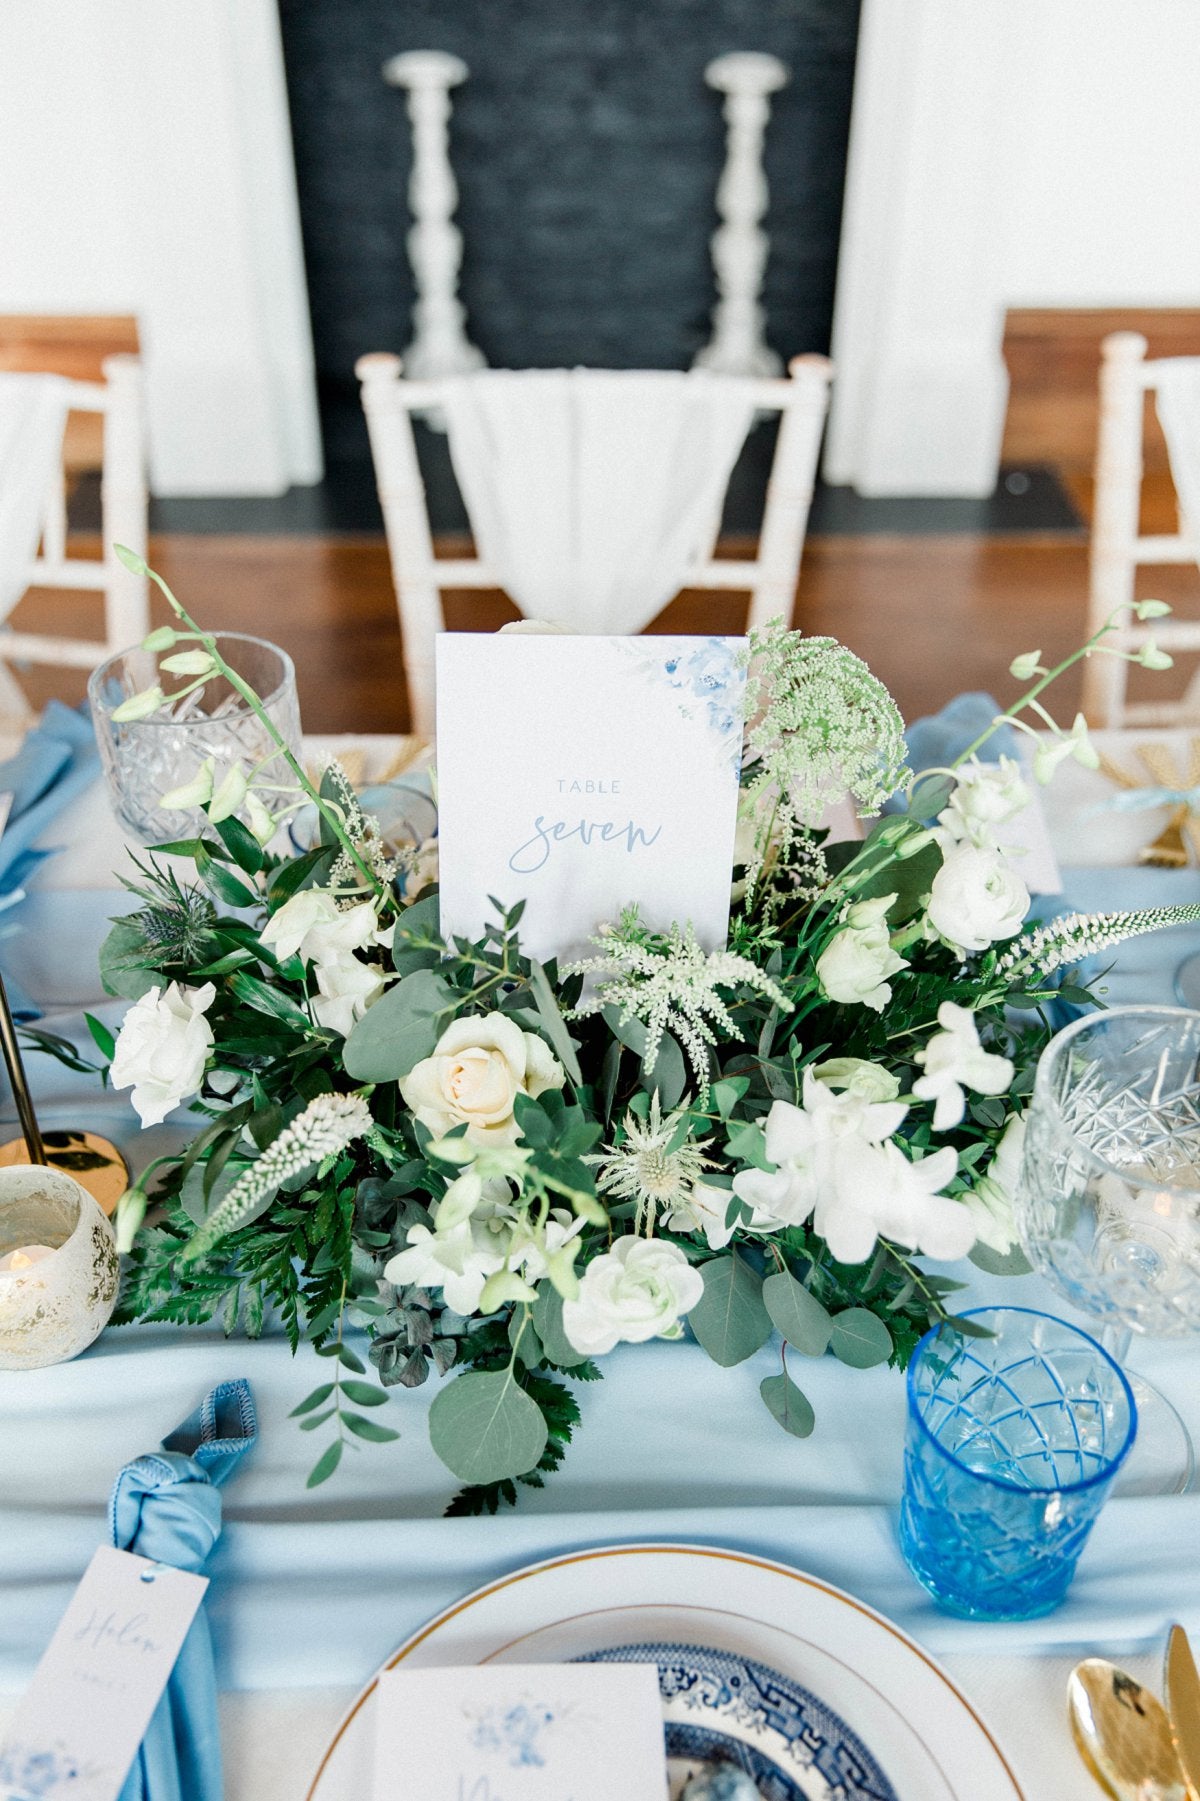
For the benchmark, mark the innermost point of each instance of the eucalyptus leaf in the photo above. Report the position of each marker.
(797, 1314)
(313, 1400)
(788, 1404)
(485, 1428)
(547, 1321)
(729, 1319)
(860, 1338)
(1012, 1262)
(401, 1028)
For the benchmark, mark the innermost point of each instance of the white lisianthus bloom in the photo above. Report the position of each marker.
(313, 927)
(879, 1193)
(477, 1069)
(854, 967)
(953, 1060)
(458, 1261)
(287, 929)
(807, 1144)
(639, 1290)
(986, 795)
(162, 1048)
(346, 987)
(855, 1075)
(976, 899)
(990, 1203)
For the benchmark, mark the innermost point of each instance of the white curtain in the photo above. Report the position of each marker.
(591, 493)
(1178, 401)
(33, 413)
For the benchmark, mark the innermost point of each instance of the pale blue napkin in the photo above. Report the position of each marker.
(57, 760)
(165, 1506)
(935, 741)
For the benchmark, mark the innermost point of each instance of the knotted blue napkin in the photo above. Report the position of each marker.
(937, 739)
(57, 760)
(165, 1506)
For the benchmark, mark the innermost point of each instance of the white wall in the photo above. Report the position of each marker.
(146, 168)
(1003, 153)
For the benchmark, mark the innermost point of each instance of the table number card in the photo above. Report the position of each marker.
(581, 773)
(521, 1732)
(77, 1728)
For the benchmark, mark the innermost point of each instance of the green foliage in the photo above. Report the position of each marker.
(787, 1405)
(485, 1427)
(730, 1319)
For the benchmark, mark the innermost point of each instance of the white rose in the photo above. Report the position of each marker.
(991, 1201)
(640, 1289)
(986, 795)
(855, 965)
(346, 987)
(477, 1069)
(977, 899)
(162, 1048)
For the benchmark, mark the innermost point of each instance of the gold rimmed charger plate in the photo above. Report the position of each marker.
(924, 1733)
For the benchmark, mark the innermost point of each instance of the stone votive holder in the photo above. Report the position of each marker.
(59, 1305)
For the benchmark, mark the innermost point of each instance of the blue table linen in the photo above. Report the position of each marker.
(165, 1506)
(57, 760)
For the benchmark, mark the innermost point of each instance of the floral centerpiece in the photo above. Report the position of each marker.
(502, 1169)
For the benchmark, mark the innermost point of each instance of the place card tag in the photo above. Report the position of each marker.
(580, 774)
(83, 1716)
(521, 1732)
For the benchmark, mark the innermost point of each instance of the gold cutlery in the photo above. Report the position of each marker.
(1181, 1687)
(1169, 850)
(1123, 1734)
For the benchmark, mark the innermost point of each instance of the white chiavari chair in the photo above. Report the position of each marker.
(801, 399)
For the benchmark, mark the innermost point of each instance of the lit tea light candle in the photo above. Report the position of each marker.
(24, 1257)
(59, 1268)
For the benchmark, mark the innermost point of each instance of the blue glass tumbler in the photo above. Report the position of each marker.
(1013, 1443)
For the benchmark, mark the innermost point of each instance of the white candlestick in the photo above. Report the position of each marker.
(739, 246)
(24, 1257)
(440, 345)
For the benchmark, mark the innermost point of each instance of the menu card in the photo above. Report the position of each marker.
(520, 1732)
(580, 774)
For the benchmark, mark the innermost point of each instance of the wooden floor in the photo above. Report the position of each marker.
(931, 614)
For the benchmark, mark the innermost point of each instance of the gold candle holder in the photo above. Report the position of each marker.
(59, 1269)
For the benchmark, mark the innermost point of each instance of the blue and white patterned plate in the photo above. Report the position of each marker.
(719, 1707)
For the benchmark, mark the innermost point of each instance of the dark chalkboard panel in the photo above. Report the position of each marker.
(587, 149)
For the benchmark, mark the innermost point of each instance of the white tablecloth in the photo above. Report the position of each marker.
(312, 1589)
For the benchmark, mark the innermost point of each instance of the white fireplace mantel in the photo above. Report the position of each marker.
(1003, 153)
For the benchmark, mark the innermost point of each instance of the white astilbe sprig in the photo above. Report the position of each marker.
(669, 983)
(1078, 935)
(327, 1125)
